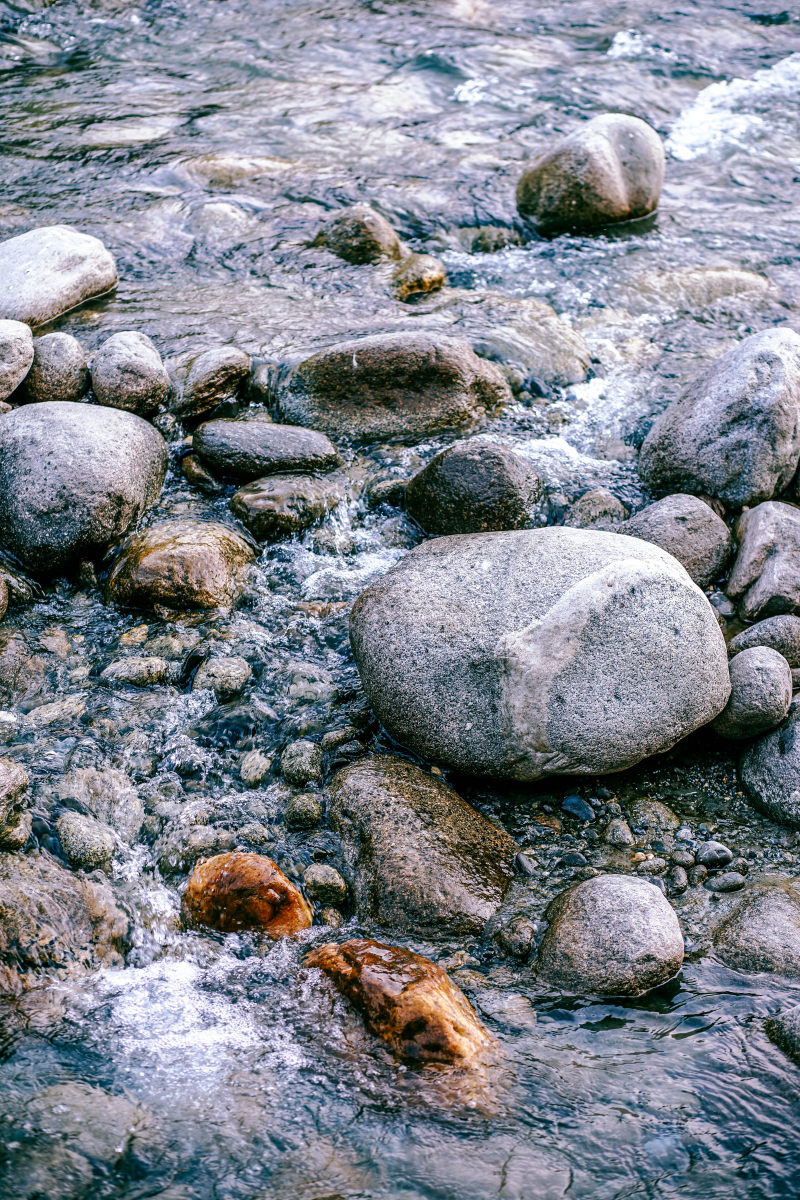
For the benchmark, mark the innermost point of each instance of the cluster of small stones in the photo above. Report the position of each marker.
(489, 649)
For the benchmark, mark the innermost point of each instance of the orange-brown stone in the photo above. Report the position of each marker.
(238, 891)
(405, 999)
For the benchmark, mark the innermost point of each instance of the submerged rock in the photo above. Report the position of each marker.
(180, 564)
(127, 372)
(421, 860)
(418, 275)
(59, 370)
(245, 450)
(406, 1000)
(108, 795)
(761, 693)
(137, 670)
(762, 933)
(225, 674)
(16, 355)
(689, 530)
(86, 843)
(394, 386)
(239, 891)
(735, 432)
(474, 487)
(279, 506)
(610, 169)
(73, 479)
(52, 921)
(539, 652)
(47, 271)
(780, 633)
(765, 579)
(214, 376)
(301, 762)
(359, 234)
(770, 770)
(784, 1030)
(614, 935)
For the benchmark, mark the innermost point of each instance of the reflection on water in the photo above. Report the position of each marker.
(204, 143)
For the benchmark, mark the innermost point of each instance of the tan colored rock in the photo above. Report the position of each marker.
(406, 1000)
(245, 891)
(180, 564)
(417, 275)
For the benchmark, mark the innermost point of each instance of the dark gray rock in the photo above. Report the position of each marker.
(596, 509)
(726, 881)
(474, 487)
(770, 770)
(245, 450)
(323, 884)
(279, 506)
(16, 355)
(713, 855)
(394, 386)
(73, 479)
(420, 859)
(538, 652)
(610, 169)
(214, 377)
(47, 271)
(127, 372)
(614, 935)
(765, 579)
(735, 432)
(762, 933)
(761, 692)
(688, 530)
(784, 1030)
(359, 234)
(780, 633)
(59, 370)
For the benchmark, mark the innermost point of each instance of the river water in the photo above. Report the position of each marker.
(205, 143)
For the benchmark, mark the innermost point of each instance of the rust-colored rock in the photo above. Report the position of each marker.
(238, 891)
(407, 1000)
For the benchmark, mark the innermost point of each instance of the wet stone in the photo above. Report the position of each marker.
(770, 770)
(247, 449)
(473, 487)
(137, 670)
(225, 675)
(762, 933)
(199, 476)
(127, 373)
(14, 784)
(323, 884)
(214, 377)
(86, 843)
(303, 811)
(301, 763)
(231, 892)
(596, 509)
(418, 275)
(47, 271)
(280, 506)
(713, 855)
(697, 874)
(59, 370)
(16, 355)
(618, 833)
(784, 1030)
(726, 881)
(360, 235)
(254, 768)
(406, 1000)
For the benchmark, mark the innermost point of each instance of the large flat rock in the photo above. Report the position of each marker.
(47, 271)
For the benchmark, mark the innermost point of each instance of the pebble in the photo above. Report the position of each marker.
(86, 843)
(324, 884)
(59, 370)
(417, 275)
(697, 874)
(139, 671)
(127, 373)
(238, 891)
(652, 866)
(303, 811)
(678, 880)
(713, 855)
(225, 675)
(682, 858)
(577, 807)
(726, 881)
(618, 833)
(301, 763)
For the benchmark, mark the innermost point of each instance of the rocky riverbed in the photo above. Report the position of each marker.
(400, 603)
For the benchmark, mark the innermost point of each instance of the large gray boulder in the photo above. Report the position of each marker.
(765, 579)
(73, 479)
(689, 530)
(16, 355)
(781, 633)
(770, 770)
(614, 935)
(761, 692)
(47, 271)
(762, 933)
(610, 169)
(394, 386)
(420, 859)
(735, 432)
(539, 652)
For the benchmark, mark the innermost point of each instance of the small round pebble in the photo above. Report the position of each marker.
(713, 855)
(618, 833)
(726, 881)
(301, 762)
(324, 884)
(697, 874)
(677, 880)
(303, 811)
(577, 807)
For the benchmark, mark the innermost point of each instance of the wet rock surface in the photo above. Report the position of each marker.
(359, 234)
(391, 387)
(214, 376)
(245, 891)
(474, 487)
(690, 531)
(244, 450)
(47, 271)
(492, 652)
(762, 933)
(279, 506)
(406, 1000)
(421, 860)
(784, 1030)
(73, 479)
(59, 370)
(127, 372)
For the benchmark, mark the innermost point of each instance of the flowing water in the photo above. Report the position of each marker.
(204, 143)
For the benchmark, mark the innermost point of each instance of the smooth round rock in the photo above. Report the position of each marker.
(761, 693)
(713, 855)
(781, 633)
(474, 487)
(301, 763)
(16, 355)
(245, 450)
(59, 370)
(73, 479)
(418, 275)
(391, 387)
(359, 234)
(214, 377)
(689, 530)
(610, 169)
(769, 769)
(279, 506)
(127, 372)
(614, 935)
(303, 811)
(596, 509)
(87, 843)
(324, 885)
(762, 933)
(224, 674)
(539, 652)
(180, 564)
(47, 271)
(237, 891)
